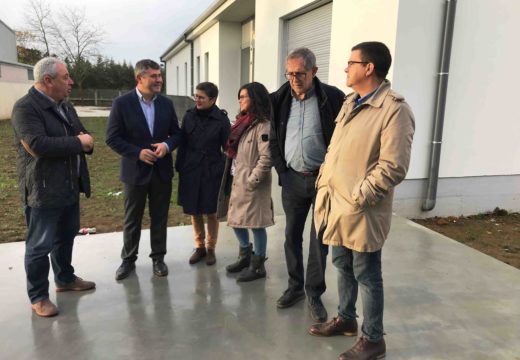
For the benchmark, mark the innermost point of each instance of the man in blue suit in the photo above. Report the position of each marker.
(143, 129)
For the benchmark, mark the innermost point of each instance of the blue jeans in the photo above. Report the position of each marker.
(49, 231)
(259, 236)
(361, 269)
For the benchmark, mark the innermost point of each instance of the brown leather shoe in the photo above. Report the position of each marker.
(45, 308)
(198, 255)
(364, 349)
(336, 326)
(77, 285)
(211, 258)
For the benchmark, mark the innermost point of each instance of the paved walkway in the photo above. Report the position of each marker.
(92, 111)
(443, 301)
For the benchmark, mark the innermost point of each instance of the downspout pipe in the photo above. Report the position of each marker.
(165, 73)
(440, 105)
(191, 62)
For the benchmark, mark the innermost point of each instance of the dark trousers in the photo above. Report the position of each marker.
(298, 195)
(49, 231)
(158, 194)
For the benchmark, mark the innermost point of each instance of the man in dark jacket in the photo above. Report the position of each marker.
(304, 114)
(51, 145)
(143, 129)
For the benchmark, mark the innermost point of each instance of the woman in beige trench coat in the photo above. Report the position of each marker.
(247, 180)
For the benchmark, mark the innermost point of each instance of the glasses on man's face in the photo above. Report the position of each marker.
(295, 75)
(350, 63)
(199, 97)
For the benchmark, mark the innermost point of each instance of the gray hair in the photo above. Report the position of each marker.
(308, 57)
(46, 66)
(143, 65)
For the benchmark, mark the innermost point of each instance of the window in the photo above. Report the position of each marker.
(30, 74)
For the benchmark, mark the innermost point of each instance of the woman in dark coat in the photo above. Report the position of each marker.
(200, 163)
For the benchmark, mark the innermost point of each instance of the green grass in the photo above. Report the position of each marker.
(102, 210)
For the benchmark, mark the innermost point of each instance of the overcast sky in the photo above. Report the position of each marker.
(134, 29)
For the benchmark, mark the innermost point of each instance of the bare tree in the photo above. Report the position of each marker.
(78, 41)
(40, 23)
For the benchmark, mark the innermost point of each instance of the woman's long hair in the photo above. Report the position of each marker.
(260, 101)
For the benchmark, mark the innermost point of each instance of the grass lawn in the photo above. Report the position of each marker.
(104, 209)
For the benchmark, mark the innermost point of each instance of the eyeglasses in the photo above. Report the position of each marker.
(350, 63)
(295, 75)
(198, 97)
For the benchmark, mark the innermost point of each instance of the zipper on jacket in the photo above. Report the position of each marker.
(70, 162)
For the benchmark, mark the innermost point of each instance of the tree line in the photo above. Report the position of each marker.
(76, 40)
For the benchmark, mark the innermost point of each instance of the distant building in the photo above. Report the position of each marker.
(15, 78)
(236, 41)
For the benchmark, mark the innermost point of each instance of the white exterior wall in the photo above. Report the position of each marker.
(7, 44)
(229, 69)
(268, 39)
(480, 136)
(351, 24)
(480, 158)
(9, 94)
(207, 42)
(179, 59)
(482, 125)
(14, 84)
(415, 66)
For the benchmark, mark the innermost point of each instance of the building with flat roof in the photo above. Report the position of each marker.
(237, 41)
(15, 78)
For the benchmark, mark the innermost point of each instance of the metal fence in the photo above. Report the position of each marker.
(104, 97)
(96, 97)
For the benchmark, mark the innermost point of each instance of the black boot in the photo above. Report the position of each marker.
(255, 271)
(243, 260)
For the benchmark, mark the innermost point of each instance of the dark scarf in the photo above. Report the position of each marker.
(204, 113)
(237, 130)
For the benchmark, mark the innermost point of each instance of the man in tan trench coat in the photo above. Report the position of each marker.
(368, 156)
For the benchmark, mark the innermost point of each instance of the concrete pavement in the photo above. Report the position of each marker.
(443, 300)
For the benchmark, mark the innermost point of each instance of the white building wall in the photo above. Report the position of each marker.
(480, 136)
(7, 44)
(209, 43)
(354, 22)
(268, 39)
(183, 56)
(480, 161)
(229, 66)
(415, 67)
(482, 125)
(14, 83)
(9, 94)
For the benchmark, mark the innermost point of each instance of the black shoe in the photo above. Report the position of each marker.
(289, 298)
(125, 269)
(318, 311)
(255, 271)
(160, 268)
(243, 261)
